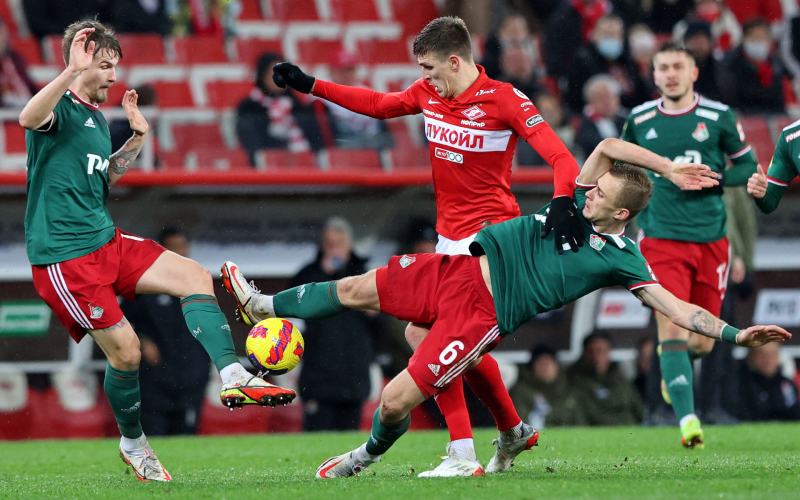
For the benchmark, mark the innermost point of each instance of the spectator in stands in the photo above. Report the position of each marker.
(519, 63)
(513, 31)
(765, 394)
(605, 53)
(140, 16)
(726, 30)
(601, 117)
(644, 357)
(542, 395)
(51, 17)
(275, 118)
(698, 39)
(16, 87)
(745, 10)
(174, 371)
(334, 379)
(345, 128)
(556, 116)
(606, 397)
(570, 26)
(642, 43)
(751, 79)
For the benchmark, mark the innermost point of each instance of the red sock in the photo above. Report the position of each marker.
(454, 408)
(486, 383)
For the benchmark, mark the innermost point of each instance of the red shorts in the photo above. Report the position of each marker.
(83, 291)
(449, 292)
(694, 272)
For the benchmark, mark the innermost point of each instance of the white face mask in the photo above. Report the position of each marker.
(756, 50)
(642, 43)
(610, 48)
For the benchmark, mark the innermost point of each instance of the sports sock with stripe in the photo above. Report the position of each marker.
(486, 382)
(122, 390)
(309, 301)
(454, 408)
(383, 436)
(210, 327)
(676, 370)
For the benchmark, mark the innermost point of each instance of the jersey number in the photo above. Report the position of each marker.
(449, 354)
(96, 163)
(690, 156)
(723, 276)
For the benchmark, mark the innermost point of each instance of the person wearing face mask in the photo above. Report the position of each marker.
(752, 76)
(605, 53)
(726, 30)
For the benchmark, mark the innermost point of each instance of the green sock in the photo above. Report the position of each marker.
(676, 371)
(309, 301)
(209, 326)
(122, 391)
(383, 436)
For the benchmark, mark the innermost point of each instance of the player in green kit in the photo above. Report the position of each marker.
(513, 275)
(767, 188)
(81, 262)
(683, 233)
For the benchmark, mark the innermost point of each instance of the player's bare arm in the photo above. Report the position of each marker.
(697, 319)
(687, 176)
(38, 111)
(120, 162)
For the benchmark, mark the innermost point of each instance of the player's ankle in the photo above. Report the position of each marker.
(464, 448)
(513, 433)
(362, 456)
(233, 373)
(263, 305)
(134, 446)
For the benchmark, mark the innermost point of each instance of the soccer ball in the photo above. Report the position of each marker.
(274, 346)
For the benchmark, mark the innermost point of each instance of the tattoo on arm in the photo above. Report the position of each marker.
(706, 324)
(121, 161)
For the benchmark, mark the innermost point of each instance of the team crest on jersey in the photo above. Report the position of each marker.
(473, 113)
(701, 132)
(435, 369)
(95, 311)
(597, 242)
(406, 261)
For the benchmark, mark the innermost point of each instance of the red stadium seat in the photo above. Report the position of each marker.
(60, 423)
(757, 133)
(171, 160)
(414, 14)
(142, 49)
(188, 136)
(293, 10)
(286, 160)
(251, 10)
(200, 50)
(8, 17)
(29, 49)
(225, 94)
(51, 49)
(384, 52)
(221, 158)
(173, 94)
(411, 158)
(250, 49)
(313, 51)
(353, 10)
(116, 93)
(354, 159)
(15, 137)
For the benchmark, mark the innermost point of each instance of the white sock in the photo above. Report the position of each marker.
(134, 446)
(464, 448)
(361, 455)
(512, 434)
(262, 305)
(233, 373)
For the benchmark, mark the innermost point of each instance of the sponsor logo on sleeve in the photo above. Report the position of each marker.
(521, 95)
(650, 270)
(741, 131)
(525, 104)
(534, 120)
(473, 113)
(792, 136)
(449, 155)
(643, 118)
(711, 115)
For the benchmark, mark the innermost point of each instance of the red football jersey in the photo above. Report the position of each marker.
(472, 140)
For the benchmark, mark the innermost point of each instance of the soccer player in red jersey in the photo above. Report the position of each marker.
(472, 124)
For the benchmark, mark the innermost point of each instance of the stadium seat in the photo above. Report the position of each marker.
(171, 160)
(410, 158)
(354, 159)
(29, 49)
(173, 94)
(142, 49)
(250, 49)
(353, 10)
(116, 93)
(188, 136)
(758, 135)
(56, 422)
(7, 15)
(414, 14)
(20, 424)
(200, 50)
(14, 137)
(216, 419)
(219, 158)
(383, 52)
(222, 94)
(285, 160)
(51, 49)
(293, 10)
(251, 10)
(315, 51)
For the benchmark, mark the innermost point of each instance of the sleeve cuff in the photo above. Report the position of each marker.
(643, 284)
(49, 125)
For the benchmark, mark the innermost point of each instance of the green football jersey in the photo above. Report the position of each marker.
(785, 164)
(66, 215)
(529, 277)
(704, 133)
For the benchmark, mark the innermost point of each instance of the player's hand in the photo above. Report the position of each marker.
(135, 119)
(286, 73)
(757, 183)
(81, 55)
(760, 335)
(693, 176)
(563, 220)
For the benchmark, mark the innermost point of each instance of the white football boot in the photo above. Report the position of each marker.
(145, 464)
(341, 466)
(243, 292)
(255, 391)
(454, 466)
(506, 452)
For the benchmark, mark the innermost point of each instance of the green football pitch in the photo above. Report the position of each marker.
(745, 461)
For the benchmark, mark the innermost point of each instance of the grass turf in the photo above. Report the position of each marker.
(739, 462)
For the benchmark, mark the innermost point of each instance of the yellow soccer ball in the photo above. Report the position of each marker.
(274, 346)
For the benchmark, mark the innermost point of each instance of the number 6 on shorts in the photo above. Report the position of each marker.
(449, 354)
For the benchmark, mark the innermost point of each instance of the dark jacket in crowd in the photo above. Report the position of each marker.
(707, 81)
(742, 89)
(762, 398)
(605, 399)
(562, 39)
(338, 350)
(555, 402)
(589, 136)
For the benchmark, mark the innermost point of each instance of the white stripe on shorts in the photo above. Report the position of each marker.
(57, 280)
(462, 365)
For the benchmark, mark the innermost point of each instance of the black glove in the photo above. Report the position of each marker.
(721, 179)
(563, 218)
(286, 73)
